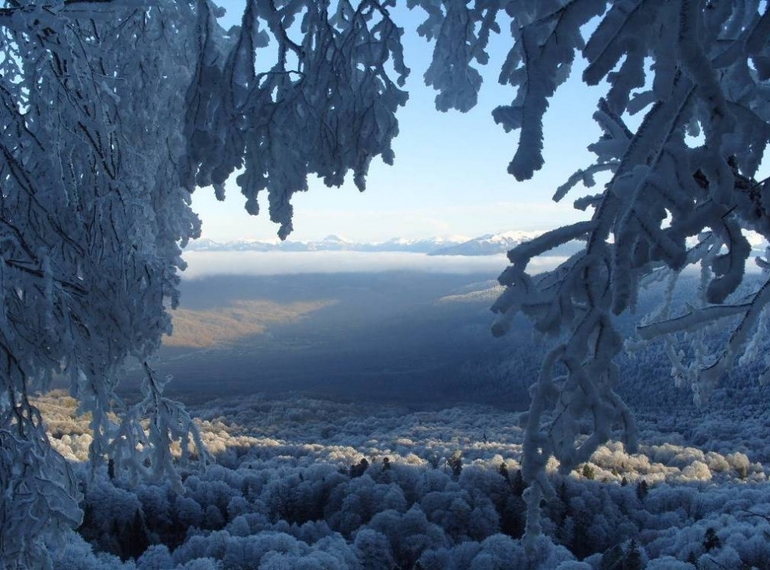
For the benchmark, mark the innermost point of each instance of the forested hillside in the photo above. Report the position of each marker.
(312, 484)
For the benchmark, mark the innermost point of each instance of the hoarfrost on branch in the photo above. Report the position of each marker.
(681, 192)
(114, 112)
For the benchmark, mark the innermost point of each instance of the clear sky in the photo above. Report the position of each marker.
(449, 176)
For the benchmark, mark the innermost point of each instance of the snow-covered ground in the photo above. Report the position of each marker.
(305, 483)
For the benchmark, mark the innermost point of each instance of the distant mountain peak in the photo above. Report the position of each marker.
(334, 239)
(488, 244)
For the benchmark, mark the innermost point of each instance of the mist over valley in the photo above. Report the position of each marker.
(402, 336)
(354, 404)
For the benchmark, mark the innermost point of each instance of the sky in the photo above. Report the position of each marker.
(449, 176)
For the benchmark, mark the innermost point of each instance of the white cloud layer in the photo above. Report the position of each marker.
(203, 264)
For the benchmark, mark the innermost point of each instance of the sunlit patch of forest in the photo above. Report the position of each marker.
(307, 483)
(241, 319)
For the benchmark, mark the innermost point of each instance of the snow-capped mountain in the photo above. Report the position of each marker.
(427, 245)
(503, 242)
(489, 244)
(330, 243)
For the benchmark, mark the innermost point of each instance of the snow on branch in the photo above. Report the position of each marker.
(146, 452)
(325, 106)
(540, 60)
(40, 491)
(92, 219)
(523, 253)
(450, 71)
(691, 69)
(113, 113)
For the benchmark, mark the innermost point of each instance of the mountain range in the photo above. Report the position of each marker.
(489, 244)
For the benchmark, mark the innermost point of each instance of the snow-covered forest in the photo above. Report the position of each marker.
(304, 483)
(113, 113)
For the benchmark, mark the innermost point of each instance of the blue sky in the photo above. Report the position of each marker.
(449, 176)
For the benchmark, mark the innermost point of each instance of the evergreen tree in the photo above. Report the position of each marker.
(513, 517)
(633, 557)
(360, 468)
(456, 464)
(711, 540)
(642, 489)
(134, 539)
(580, 544)
(518, 485)
(612, 559)
(503, 470)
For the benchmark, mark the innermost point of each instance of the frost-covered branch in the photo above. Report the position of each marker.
(146, 452)
(112, 114)
(92, 217)
(691, 70)
(325, 106)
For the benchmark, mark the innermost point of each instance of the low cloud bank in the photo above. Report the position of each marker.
(203, 263)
